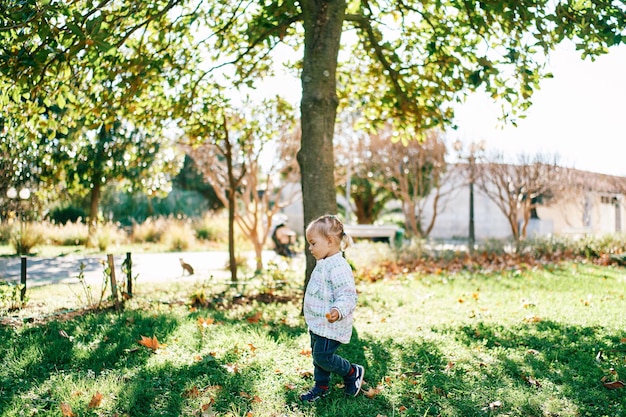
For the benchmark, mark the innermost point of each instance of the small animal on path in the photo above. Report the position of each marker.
(186, 267)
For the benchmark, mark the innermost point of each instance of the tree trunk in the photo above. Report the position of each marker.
(258, 252)
(323, 20)
(232, 185)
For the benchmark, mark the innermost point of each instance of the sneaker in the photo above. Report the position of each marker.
(314, 394)
(355, 381)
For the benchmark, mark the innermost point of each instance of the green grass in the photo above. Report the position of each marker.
(521, 343)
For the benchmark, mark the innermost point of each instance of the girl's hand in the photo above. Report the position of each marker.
(333, 315)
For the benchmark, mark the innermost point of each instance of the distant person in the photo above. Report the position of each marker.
(283, 238)
(329, 302)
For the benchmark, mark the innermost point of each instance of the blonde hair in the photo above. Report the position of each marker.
(329, 226)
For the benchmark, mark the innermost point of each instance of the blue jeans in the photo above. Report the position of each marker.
(325, 361)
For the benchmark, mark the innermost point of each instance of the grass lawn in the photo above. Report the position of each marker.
(542, 342)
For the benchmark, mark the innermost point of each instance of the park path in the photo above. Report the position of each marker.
(145, 266)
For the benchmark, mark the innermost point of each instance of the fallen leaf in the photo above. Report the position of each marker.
(66, 410)
(402, 409)
(151, 343)
(232, 368)
(623, 340)
(252, 347)
(192, 392)
(614, 385)
(255, 318)
(532, 319)
(532, 381)
(493, 405)
(290, 386)
(305, 352)
(205, 322)
(373, 392)
(449, 366)
(95, 400)
(532, 352)
(305, 374)
(62, 333)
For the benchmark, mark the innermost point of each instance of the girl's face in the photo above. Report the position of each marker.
(320, 246)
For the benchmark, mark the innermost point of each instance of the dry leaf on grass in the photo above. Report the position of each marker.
(64, 334)
(255, 318)
(532, 381)
(373, 392)
(150, 343)
(493, 405)
(95, 400)
(66, 410)
(614, 385)
(205, 322)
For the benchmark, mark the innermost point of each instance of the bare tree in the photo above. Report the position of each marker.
(250, 168)
(412, 171)
(517, 189)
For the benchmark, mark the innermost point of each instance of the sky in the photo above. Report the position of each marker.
(579, 115)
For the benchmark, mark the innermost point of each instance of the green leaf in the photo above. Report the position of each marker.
(60, 101)
(102, 45)
(76, 30)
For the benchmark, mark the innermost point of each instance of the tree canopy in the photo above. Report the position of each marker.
(401, 61)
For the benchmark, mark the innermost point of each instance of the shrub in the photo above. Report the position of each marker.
(68, 234)
(67, 214)
(25, 237)
(150, 231)
(109, 234)
(5, 233)
(179, 236)
(211, 229)
(11, 296)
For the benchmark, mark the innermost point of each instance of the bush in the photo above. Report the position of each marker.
(179, 236)
(25, 237)
(150, 231)
(11, 296)
(5, 233)
(67, 214)
(211, 228)
(68, 234)
(109, 234)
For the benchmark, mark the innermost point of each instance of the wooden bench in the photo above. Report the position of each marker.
(372, 231)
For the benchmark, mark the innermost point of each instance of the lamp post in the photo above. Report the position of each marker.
(474, 149)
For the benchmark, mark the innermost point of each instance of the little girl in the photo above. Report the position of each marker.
(329, 302)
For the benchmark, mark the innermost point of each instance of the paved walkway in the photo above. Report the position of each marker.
(146, 266)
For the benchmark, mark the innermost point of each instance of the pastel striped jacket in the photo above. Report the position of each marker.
(331, 285)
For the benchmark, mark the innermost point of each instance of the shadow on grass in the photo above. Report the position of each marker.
(460, 372)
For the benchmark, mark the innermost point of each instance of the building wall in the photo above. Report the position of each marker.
(592, 213)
